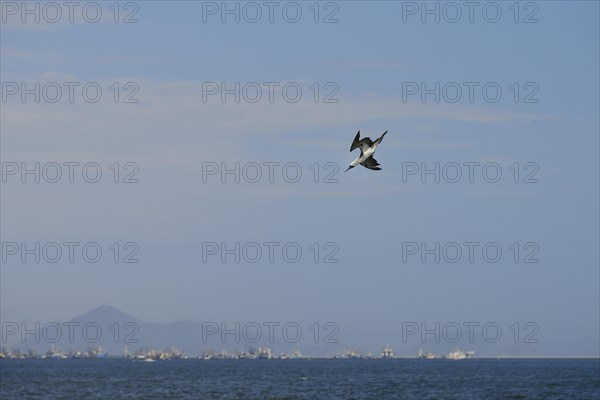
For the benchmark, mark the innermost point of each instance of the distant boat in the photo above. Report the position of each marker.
(76, 354)
(264, 353)
(99, 352)
(459, 355)
(349, 354)
(427, 356)
(55, 353)
(207, 354)
(388, 352)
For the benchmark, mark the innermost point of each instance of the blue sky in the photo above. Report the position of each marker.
(368, 55)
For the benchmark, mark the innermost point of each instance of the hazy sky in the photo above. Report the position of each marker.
(367, 72)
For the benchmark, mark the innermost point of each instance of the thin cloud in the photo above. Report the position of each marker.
(171, 119)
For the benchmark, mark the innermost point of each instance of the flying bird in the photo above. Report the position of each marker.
(367, 149)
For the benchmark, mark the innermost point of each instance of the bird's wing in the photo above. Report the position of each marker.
(371, 163)
(363, 143)
(356, 141)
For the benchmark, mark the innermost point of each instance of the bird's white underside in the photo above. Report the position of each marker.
(366, 153)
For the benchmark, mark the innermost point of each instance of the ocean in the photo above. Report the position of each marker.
(377, 379)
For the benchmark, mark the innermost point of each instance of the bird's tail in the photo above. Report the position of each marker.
(380, 138)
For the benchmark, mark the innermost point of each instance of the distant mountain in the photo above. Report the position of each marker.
(106, 314)
(114, 330)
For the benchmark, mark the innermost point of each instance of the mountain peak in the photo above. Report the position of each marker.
(105, 313)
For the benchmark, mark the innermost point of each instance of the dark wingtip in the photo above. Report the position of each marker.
(356, 138)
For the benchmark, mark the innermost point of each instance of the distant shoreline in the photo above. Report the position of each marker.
(117, 357)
